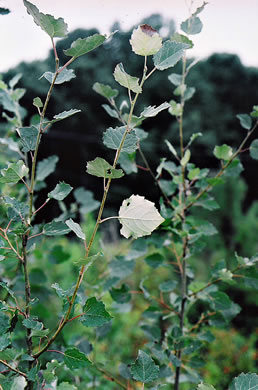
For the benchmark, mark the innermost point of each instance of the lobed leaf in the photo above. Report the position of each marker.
(74, 359)
(60, 191)
(84, 45)
(64, 76)
(192, 25)
(170, 53)
(55, 28)
(245, 382)
(55, 228)
(46, 167)
(182, 39)
(95, 313)
(65, 114)
(139, 217)
(105, 90)
(86, 199)
(14, 172)
(28, 137)
(144, 369)
(127, 81)
(152, 111)
(4, 323)
(112, 139)
(101, 168)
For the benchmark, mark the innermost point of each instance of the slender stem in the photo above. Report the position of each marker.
(13, 368)
(182, 199)
(65, 319)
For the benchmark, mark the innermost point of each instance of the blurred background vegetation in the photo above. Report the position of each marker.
(224, 88)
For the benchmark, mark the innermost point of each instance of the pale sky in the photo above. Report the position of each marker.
(229, 25)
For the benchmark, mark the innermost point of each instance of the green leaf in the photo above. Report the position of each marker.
(245, 382)
(66, 386)
(121, 268)
(185, 158)
(144, 369)
(205, 386)
(10, 292)
(110, 111)
(95, 313)
(55, 28)
(11, 144)
(112, 139)
(182, 39)
(32, 324)
(121, 295)
(152, 111)
(37, 102)
(176, 79)
(223, 152)
(254, 149)
(175, 109)
(60, 191)
(49, 372)
(145, 40)
(192, 25)
(28, 137)
(86, 199)
(105, 90)
(73, 359)
(169, 54)
(14, 172)
(127, 163)
(254, 113)
(46, 167)
(64, 115)
(193, 173)
(33, 373)
(75, 227)
(168, 286)
(4, 323)
(84, 45)
(220, 301)
(154, 260)
(101, 168)
(5, 341)
(88, 261)
(245, 121)
(127, 81)
(139, 217)
(64, 76)
(55, 228)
